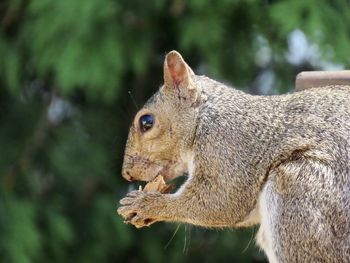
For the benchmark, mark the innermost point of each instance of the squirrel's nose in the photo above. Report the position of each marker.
(127, 176)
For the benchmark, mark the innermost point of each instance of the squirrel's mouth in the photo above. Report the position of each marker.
(168, 173)
(141, 168)
(140, 171)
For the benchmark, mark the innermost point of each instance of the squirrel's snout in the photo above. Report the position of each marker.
(126, 174)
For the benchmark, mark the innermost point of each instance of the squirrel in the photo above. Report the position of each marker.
(280, 161)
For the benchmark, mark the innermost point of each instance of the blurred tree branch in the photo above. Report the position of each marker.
(11, 15)
(33, 145)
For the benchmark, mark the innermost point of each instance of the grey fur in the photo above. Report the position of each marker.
(294, 148)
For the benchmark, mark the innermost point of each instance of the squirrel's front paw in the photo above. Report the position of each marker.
(136, 210)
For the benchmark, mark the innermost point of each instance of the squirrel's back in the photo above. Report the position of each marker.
(316, 110)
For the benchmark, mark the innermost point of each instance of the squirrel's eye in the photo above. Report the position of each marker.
(146, 122)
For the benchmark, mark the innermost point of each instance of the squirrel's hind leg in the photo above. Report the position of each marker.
(301, 222)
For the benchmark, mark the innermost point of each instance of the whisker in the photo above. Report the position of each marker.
(133, 100)
(172, 237)
(187, 243)
(250, 240)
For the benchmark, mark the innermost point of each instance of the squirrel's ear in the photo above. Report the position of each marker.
(177, 74)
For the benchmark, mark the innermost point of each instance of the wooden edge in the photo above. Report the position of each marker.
(311, 79)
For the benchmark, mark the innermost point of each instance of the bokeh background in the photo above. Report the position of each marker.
(73, 74)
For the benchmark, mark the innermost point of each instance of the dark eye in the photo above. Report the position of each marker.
(146, 122)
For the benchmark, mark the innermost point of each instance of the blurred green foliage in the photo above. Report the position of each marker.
(67, 69)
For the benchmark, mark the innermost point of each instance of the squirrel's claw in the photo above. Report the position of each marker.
(139, 222)
(126, 213)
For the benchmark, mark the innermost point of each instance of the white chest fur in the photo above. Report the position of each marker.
(264, 237)
(188, 159)
(262, 214)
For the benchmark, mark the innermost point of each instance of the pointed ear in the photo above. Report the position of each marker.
(176, 72)
(178, 77)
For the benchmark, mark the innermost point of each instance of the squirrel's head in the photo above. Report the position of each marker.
(163, 130)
